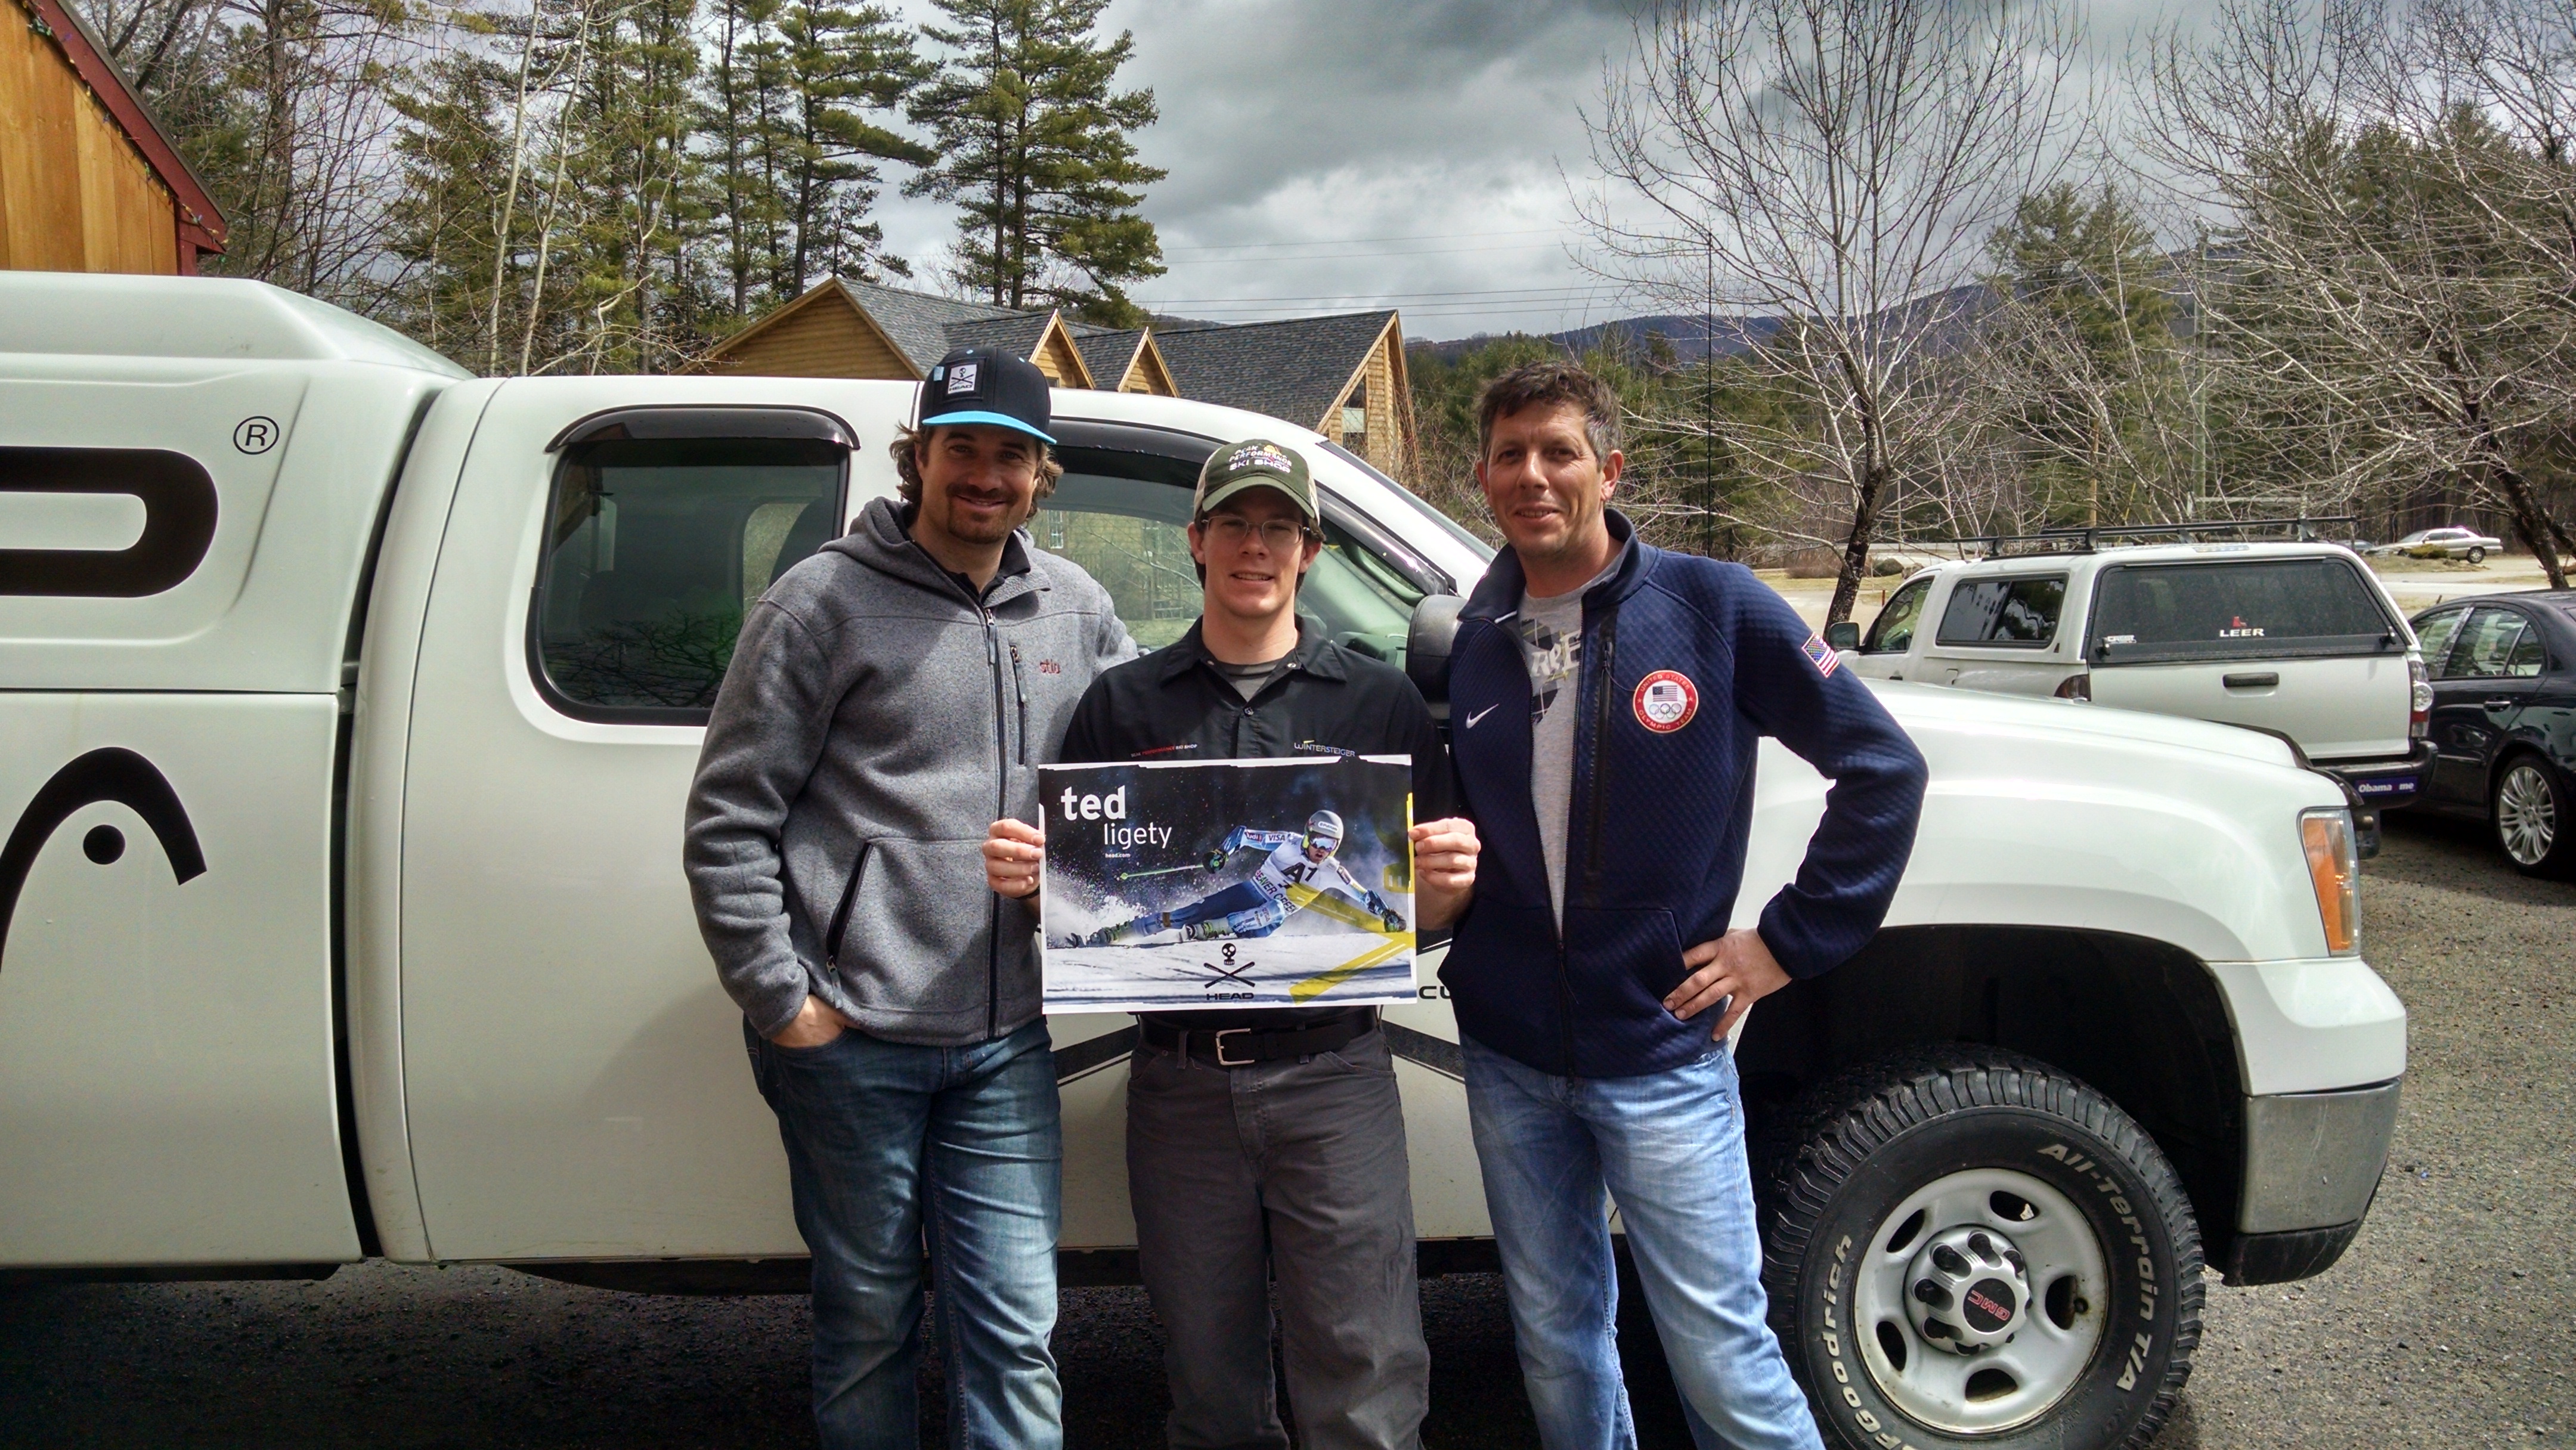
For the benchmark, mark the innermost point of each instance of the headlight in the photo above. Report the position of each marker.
(2334, 869)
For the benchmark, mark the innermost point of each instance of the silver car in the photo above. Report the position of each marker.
(2466, 544)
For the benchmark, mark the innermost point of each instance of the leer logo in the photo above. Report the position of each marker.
(1665, 701)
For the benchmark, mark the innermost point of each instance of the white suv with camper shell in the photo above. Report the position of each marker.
(349, 705)
(2297, 640)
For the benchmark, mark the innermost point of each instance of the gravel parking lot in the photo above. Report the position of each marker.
(2446, 1324)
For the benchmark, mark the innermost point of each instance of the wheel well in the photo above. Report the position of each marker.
(2140, 1020)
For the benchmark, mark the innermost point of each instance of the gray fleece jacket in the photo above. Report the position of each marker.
(876, 719)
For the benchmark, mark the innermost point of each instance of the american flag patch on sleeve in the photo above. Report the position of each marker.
(1820, 654)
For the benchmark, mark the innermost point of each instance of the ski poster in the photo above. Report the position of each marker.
(1227, 883)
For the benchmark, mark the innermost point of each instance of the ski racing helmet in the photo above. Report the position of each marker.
(1324, 829)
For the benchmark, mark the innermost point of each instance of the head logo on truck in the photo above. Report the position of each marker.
(178, 521)
(110, 774)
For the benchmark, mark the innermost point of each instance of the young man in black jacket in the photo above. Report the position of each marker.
(1271, 1138)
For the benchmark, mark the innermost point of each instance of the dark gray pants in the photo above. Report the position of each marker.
(1299, 1163)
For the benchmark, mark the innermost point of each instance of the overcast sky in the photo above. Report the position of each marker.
(1335, 155)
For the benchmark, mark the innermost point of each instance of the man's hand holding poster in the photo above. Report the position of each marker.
(1229, 883)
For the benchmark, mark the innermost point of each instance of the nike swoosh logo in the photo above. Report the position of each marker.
(1481, 714)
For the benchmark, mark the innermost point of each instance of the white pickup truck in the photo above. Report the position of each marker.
(2298, 640)
(347, 709)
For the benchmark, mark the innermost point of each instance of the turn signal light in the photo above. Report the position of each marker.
(2334, 869)
(2077, 686)
(2419, 700)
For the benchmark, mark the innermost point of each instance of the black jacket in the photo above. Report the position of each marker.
(1173, 705)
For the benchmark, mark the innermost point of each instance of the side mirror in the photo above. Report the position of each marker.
(1843, 634)
(1426, 648)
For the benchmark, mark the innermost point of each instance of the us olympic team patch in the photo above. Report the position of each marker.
(1665, 701)
(1821, 655)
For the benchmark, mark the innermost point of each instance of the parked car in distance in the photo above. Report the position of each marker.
(2297, 640)
(2466, 544)
(2504, 721)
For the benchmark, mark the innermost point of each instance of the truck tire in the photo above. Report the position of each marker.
(2532, 817)
(1966, 1246)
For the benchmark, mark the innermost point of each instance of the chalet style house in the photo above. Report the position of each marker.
(88, 182)
(1342, 376)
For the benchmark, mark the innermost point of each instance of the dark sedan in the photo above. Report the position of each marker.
(2504, 721)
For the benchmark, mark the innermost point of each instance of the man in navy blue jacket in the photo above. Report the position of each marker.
(1606, 699)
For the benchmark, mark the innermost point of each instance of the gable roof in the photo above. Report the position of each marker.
(1294, 369)
(918, 323)
(201, 222)
(1112, 354)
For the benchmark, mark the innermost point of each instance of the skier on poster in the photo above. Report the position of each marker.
(1287, 882)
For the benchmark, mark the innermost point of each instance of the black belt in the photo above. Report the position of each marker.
(1243, 1046)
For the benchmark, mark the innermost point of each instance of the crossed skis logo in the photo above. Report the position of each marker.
(1229, 974)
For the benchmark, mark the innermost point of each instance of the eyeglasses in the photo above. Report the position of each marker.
(1232, 530)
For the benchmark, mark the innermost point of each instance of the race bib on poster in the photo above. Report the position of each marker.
(1182, 885)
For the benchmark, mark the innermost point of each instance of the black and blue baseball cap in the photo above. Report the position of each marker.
(985, 385)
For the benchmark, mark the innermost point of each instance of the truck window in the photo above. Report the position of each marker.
(2006, 613)
(2497, 644)
(1892, 633)
(2311, 607)
(2433, 634)
(1124, 517)
(654, 549)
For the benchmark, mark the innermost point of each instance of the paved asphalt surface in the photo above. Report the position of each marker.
(2448, 1324)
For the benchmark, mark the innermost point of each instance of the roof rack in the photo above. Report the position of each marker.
(2087, 539)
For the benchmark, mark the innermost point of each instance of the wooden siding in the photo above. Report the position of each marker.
(1146, 372)
(75, 196)
(1379, 386)
(826, 338)
(1057, 357)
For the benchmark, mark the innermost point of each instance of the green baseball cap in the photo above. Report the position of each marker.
(1256, 463)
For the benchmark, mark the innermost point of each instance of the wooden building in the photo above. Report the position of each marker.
(1342, 376)
(845, 329)
(88, 182)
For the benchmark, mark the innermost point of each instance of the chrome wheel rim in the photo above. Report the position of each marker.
(2526, 815)
(2038, 1268)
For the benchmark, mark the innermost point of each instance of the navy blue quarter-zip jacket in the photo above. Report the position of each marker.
(1686, 664)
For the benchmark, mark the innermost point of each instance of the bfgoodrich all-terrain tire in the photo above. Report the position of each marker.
(1966, 1247)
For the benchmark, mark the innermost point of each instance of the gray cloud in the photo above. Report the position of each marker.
(1298, 135)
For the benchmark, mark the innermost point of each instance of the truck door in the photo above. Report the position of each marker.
(574, 1075)
(1886, 648)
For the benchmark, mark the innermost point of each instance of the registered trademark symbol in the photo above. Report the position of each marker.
(255, 435)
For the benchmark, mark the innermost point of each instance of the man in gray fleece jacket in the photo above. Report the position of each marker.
(889, 696)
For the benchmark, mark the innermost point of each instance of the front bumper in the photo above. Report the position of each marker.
(2312, 1164)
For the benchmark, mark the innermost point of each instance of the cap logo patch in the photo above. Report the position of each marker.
(1259, 455)
(1821, 655)
(1665, 701)
(961, 378)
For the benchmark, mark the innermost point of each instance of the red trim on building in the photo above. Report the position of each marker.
(201, 224)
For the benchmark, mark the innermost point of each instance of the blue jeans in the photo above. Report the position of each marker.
(888, 1144)
(1668, 1147)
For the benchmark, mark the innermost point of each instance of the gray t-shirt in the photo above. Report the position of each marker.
(1551, 633)
(1248, 679)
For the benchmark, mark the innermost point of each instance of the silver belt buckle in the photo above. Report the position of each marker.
(1224, 1061)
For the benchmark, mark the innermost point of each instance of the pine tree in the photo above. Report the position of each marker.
(1032, 142)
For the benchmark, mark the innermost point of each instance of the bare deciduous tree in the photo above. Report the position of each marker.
(1825, 173)
(2397, 273)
